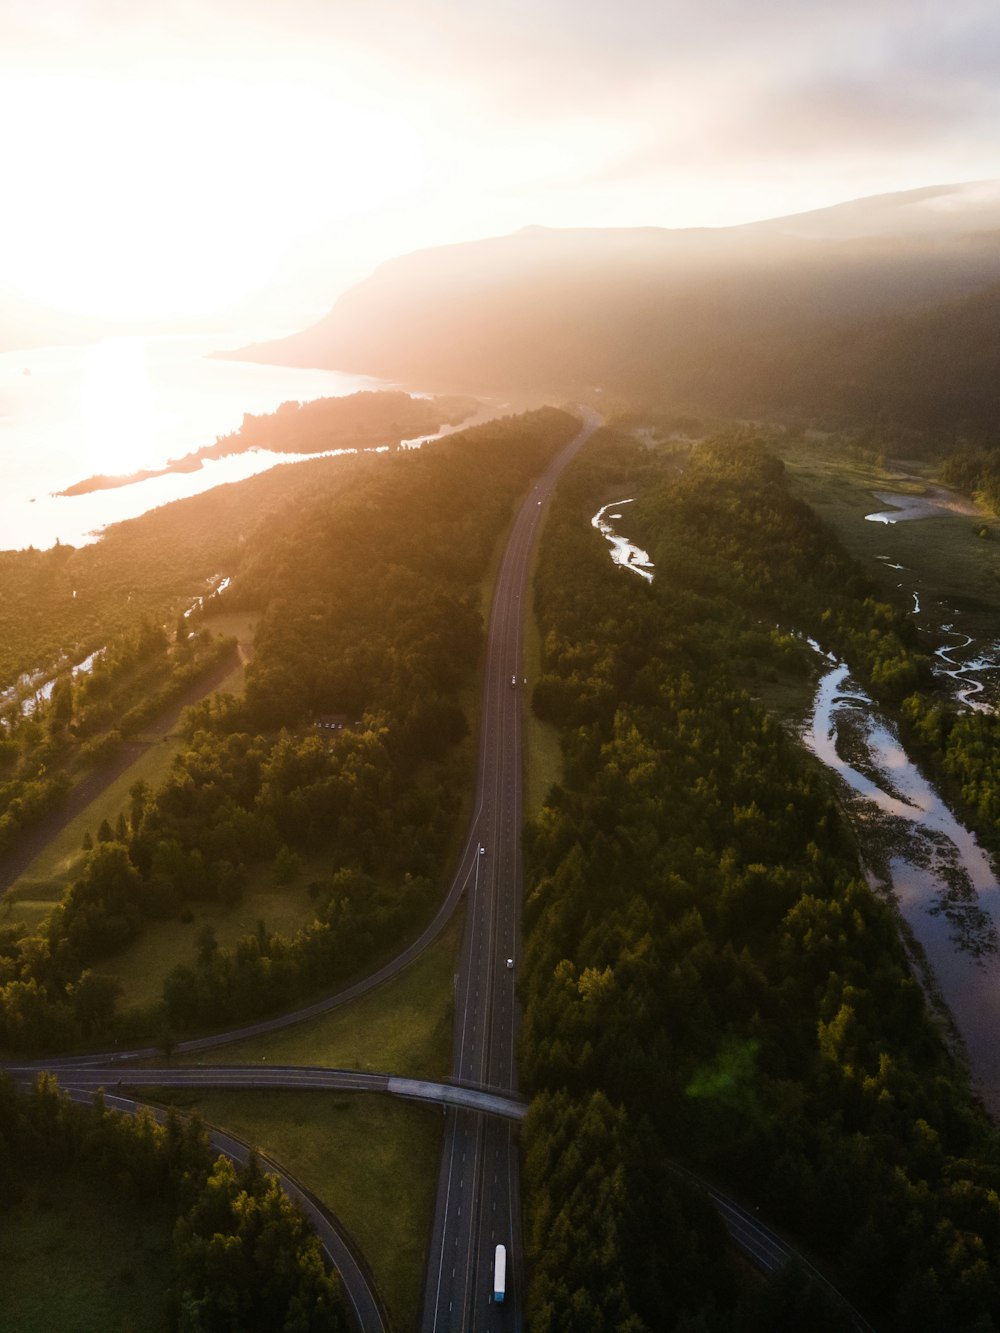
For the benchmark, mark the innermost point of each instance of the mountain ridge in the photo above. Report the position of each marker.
(755, 319)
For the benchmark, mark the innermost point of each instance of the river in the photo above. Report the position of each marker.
(939, 876)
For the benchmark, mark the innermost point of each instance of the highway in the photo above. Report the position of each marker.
(478, 1201)
(764, 1248)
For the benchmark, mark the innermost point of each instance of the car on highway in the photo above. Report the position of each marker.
(510, 963)
(482, 850)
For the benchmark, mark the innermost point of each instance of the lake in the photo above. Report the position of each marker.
(67, 413)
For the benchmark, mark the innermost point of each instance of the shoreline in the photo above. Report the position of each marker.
(349, 424)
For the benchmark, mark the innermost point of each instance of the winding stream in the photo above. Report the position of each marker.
(960, 672)
(940, 877)
(623, 552)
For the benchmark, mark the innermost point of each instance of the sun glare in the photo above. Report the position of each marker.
(117, 409)
(158, 199)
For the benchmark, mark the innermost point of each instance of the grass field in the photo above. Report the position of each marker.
(69, 1261)
(238, 625)
(141, 968)
(403, 1027)
(953, 570)
(373, 1160)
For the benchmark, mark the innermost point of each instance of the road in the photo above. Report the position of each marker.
(315, 1078)
(478, 1201)
(765, 1249)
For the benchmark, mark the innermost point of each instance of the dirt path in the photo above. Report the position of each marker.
(36, 838)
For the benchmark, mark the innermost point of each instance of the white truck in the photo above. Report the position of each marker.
(500, 1274)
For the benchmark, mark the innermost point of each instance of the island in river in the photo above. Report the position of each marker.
(367, 420)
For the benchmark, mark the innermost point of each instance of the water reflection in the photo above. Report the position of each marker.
(935, 502)
(963, 672)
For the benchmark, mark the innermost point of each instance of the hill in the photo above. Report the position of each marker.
(865, 308)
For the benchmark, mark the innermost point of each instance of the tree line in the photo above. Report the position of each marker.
(59, 605)
(354, 421)
(976, 471)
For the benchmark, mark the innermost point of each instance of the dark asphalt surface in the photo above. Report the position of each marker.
(316, 1078)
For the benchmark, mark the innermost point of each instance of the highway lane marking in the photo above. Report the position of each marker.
(437, 1296)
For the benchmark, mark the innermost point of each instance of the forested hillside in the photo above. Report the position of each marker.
(886, 317)
(707, 977)
(58, 605)
(369, 621)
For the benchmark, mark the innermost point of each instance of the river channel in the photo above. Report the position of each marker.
(941, 879)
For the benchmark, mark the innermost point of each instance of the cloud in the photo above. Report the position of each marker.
(842, 115)
(797, 87)
(486, 116)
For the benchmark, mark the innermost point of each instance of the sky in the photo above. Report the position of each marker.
(182, 159)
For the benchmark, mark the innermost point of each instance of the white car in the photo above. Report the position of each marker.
(510, 964)
(482, 850)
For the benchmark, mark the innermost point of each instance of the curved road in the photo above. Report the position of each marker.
(337, 1248)
(765, 1249)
